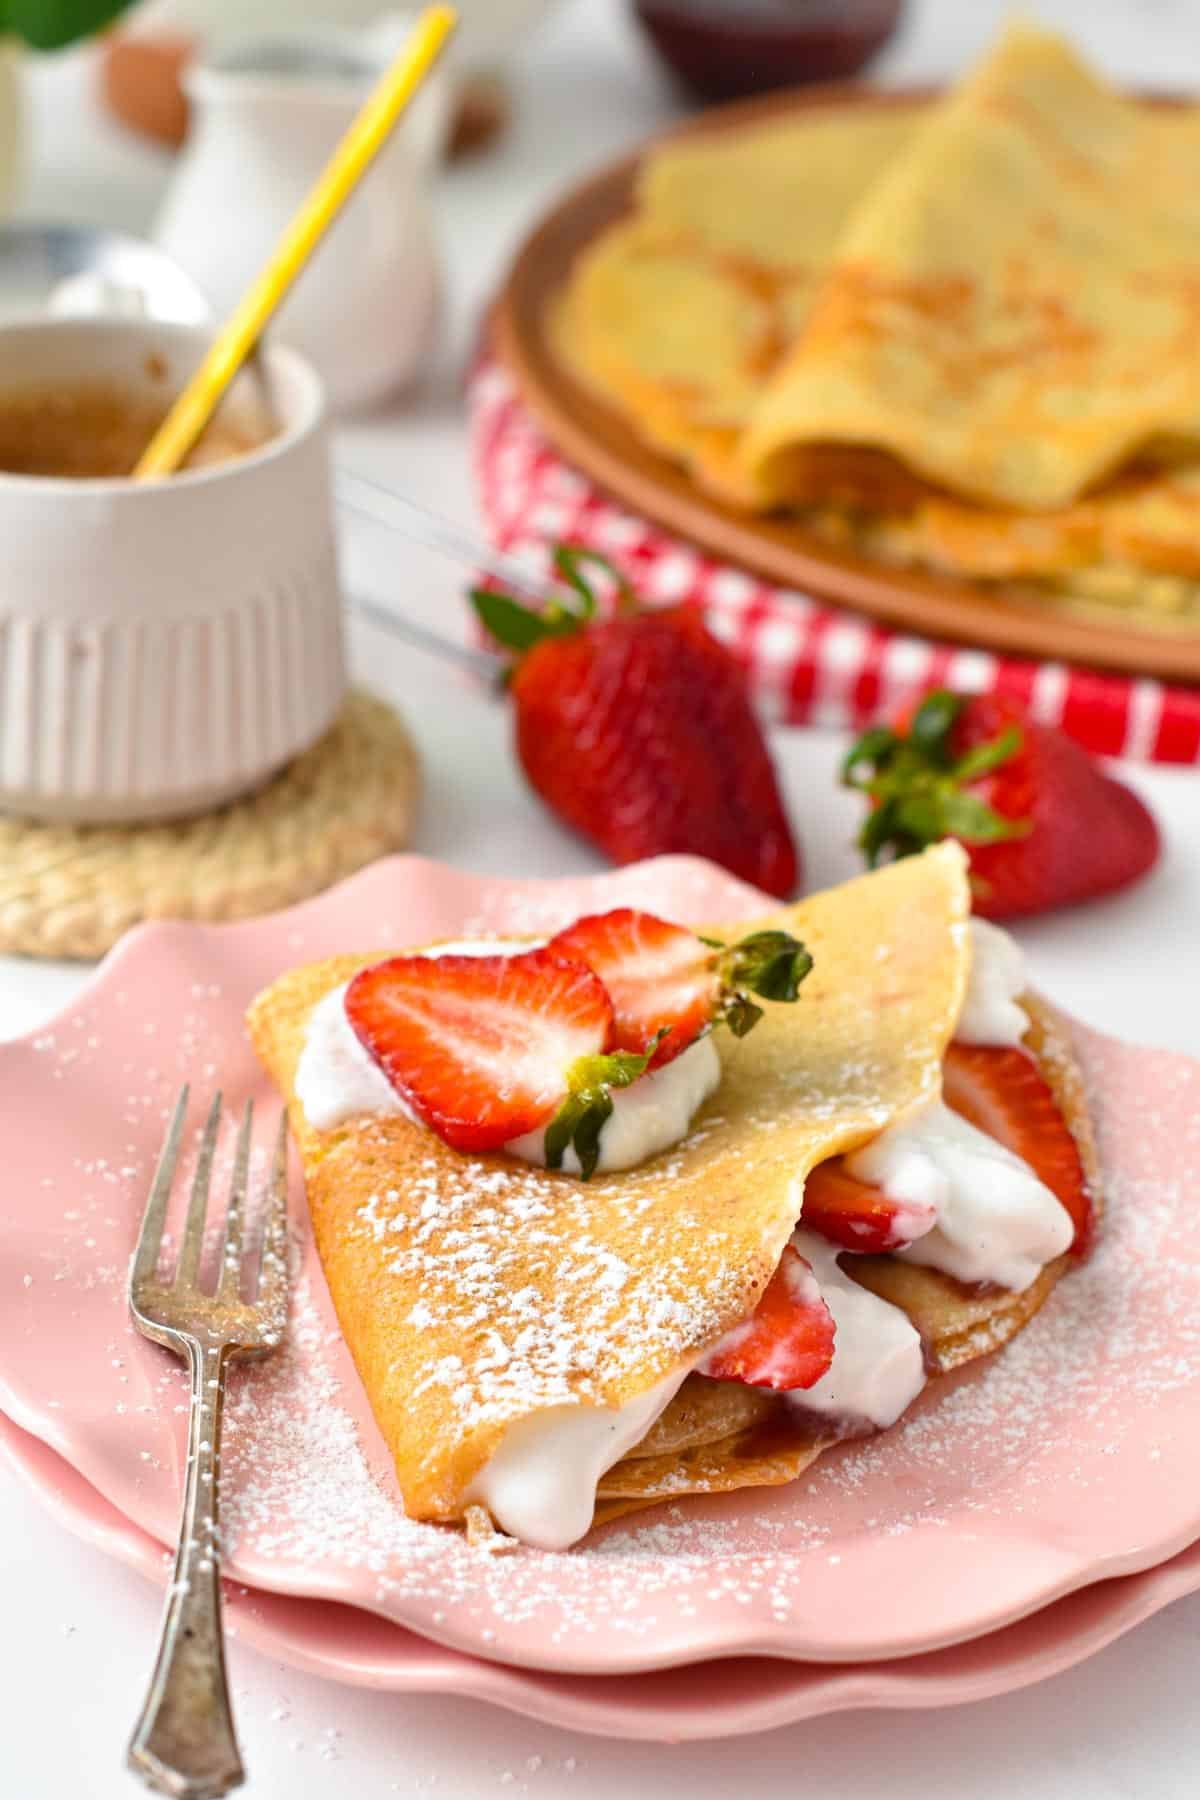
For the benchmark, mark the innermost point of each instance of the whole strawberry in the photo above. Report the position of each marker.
(639, 732)
(1042, 824)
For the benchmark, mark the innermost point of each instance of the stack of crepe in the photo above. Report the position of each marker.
(961, 335)
(479, 1295)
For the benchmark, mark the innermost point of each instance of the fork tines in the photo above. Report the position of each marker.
(145, 1287)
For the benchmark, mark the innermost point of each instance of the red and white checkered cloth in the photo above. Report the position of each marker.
(811, 663)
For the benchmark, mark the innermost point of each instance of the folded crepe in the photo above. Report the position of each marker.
(476, 1293)
(681, 313)
(955, 336)
(1011, 310)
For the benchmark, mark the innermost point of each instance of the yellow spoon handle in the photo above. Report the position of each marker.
(241, 332)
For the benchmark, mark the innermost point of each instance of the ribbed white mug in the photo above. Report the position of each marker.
(164, 647)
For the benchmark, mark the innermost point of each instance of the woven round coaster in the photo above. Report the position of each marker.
(71, 890)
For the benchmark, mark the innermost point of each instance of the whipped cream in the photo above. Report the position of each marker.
(338, 1078)
(540, 1485)
(878, 1366)
(995, 1220)
(996, 977)
(651, 1115)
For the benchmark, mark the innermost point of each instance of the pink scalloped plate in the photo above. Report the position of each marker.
(725, 1698)
(1071, 1457)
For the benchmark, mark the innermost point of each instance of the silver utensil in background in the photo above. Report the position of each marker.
(86, 269)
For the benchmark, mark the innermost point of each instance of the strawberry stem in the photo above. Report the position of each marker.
(519, 627)
(589, 1104)
(771, 964)
(918, 788)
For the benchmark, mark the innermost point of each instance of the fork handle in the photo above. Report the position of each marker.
(184, 1742)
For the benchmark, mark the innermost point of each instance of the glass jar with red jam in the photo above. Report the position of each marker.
(720, 49)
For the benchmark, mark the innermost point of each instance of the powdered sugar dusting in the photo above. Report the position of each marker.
(470, 1246)
(1072, 1453)
(1116, 1339)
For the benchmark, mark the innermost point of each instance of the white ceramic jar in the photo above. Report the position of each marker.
(164, 647)
(265, 119)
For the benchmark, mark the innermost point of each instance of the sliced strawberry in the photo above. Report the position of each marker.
(1004, 1093)
(858, 1216)
(668, 984)
(787, 1343)
(659, 976)
(481, 1047)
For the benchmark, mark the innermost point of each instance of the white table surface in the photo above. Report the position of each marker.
(78, 1629)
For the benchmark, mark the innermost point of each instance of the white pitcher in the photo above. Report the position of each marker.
(265, 117)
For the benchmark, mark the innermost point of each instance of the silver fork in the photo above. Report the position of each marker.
(184, 1742)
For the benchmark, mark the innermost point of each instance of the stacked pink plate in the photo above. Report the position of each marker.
(1020, 1517)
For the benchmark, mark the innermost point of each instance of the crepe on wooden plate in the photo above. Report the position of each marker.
(960, 336)
(475, 1292)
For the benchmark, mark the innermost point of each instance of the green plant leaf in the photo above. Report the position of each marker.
(52, 24)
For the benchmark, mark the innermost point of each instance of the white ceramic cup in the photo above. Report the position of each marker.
(164, 646)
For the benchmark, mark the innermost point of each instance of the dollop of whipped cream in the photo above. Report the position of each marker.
(996, 978)
(995, 1220)
(540, 1485)
(878, 1366)
(338, 1078)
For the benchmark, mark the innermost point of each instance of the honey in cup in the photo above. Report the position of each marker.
(88, 430)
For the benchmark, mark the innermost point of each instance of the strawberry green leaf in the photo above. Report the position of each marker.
(570, 561)
(582, 1116)
(515, 626)
(740, 1014)
(771, 964)
(966, 816)
(919, 792)
(520, 627)
(986, 757)
(933, 721)
(859, 764)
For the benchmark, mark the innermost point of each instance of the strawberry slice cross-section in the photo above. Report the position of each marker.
(669, 986)
(481, 1047)
(787, 1343)
(657, 975)
(857, 1216)
(1003, 1092)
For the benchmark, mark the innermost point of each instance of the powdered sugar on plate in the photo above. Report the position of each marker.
(1069, 1456)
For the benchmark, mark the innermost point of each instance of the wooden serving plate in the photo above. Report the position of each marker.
(597, 440)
